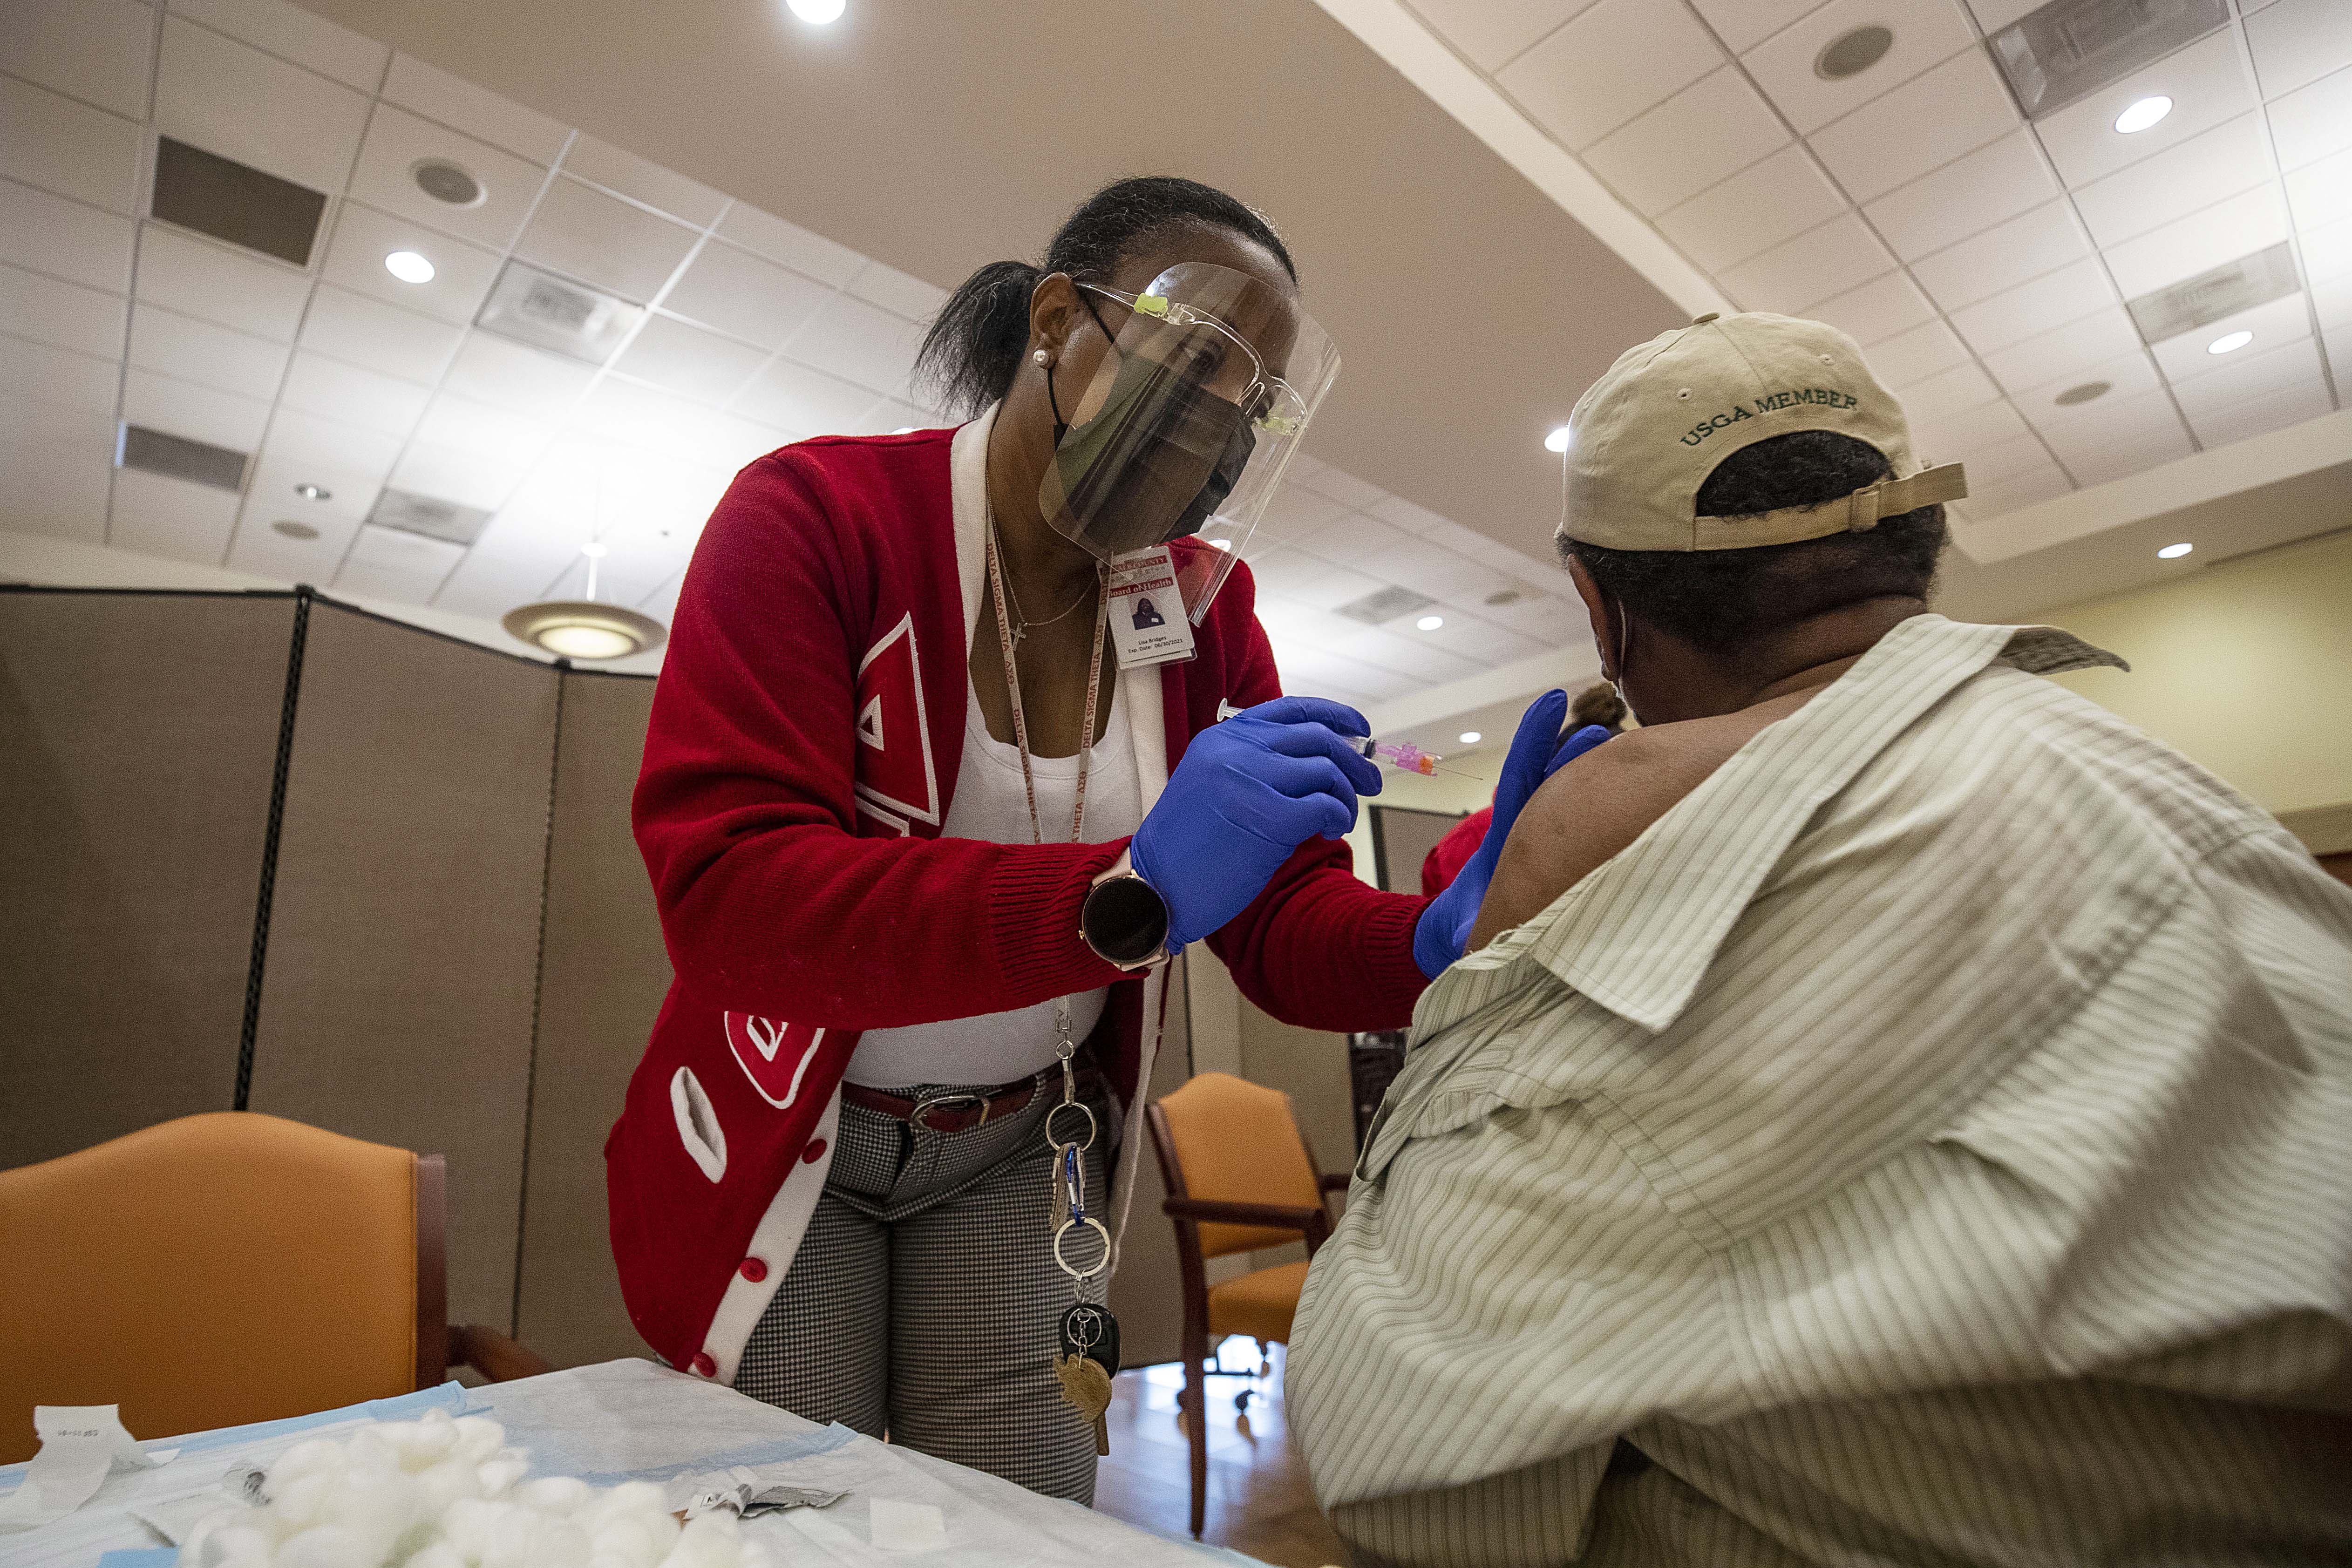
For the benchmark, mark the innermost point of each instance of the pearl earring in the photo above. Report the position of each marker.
(1041, 357)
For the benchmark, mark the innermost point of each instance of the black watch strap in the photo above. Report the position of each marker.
(1125, 920)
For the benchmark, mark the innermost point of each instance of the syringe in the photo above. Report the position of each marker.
(1398, 754)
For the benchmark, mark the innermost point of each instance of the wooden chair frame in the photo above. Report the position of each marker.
(440, 1344)
(1313, 1226)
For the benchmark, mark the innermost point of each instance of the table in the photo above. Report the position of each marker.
(631, 1420)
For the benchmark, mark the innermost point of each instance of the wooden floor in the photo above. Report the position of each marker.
(1259, 1503)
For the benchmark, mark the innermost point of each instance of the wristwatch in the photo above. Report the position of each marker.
(1124, 920)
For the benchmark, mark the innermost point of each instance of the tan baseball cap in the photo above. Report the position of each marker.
(1645, 436)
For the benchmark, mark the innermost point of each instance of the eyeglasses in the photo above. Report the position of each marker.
(1217, 358)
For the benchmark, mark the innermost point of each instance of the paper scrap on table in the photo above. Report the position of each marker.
(81, 1446)
(908, 1526)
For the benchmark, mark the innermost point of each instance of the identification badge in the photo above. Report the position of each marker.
(1148, 623)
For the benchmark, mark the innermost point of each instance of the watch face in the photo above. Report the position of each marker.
(1125, 920)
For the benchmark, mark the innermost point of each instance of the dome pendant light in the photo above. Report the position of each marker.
(582, 627)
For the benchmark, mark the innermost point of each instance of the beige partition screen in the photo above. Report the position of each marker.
(402, 959)
(137, 733)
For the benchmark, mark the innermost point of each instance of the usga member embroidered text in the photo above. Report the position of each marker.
(1699, 432)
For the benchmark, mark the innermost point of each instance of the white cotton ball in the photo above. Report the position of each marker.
(558, 1544)
(312, 1458)
(629, 1543)
(422, 1442)
(328, 1547)
(498, 1475)
(437, 1555)
(303, 1502)
(560, 1495)
(479, 1437)
(230, 1544)
(705, 1543)
(752, 1554)
(439, 1485)
(368, 1449)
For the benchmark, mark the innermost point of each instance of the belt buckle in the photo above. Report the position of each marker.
(962, 1096)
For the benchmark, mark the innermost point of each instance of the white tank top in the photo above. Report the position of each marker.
(991, 804)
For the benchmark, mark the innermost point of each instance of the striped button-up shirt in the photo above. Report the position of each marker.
(1931, 1140)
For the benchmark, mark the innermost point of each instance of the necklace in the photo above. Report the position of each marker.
(1021, 622)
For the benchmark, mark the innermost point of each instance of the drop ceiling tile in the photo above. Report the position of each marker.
(1956, 390)
(726, 442)
(2003, 256)
(662, 602)
(55, 490)
(52, 141)
(273, 491)
(1335, 586)
(170, 517)
(860, 342)
(2002, 460)
(2146, 425)
(1420, 521)
(1405, 653)
(1277, 569)
(1813, 267)
(744, 297)
(902, 294)
(1467, 636)
(1431, 569)
(262, 550)
(317, 385)
(199, 413)
(1754, 210)
(2332, 301)
(1993, 15)
(283, 30)
(510, 440)
(1966, 197)
(2296, 42)
(2197, 173)
(764, 234)
(397, 141)
(378, 337)
(310, 445)
(48, 234)
(1350, 540)
(391, 563)
(1705, 133)
(2130, 376)
(1885, 143)
(689, 360)
(2031, 308)
(1927, 32)
(95, 50)
(469, 478)
(462, 273)
(641, 180)
(2110, 461)
(1294, 509)
(1987, 425)
(1877, 311)
(794, 397)
(891, 417)
(2338, 341)
(62, 314)
(2251, 220)
(193, 351)
(2281, 321)
(212, 282)
(76, 383)
(1608, 64)
(2034, 486)
(1743, 24)
(640, 416)
(1912, 356)
(499, 370)
(2327, 251)
(2066, 353)
(2255, 372)
(583, 233)
(2321, 193)
(2313, 121)
(477, 111)
(218, 94)
(1495, 32)
(2206, 81)
(2262, 414)
(1339, 485)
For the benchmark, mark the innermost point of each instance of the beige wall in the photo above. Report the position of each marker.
(2245, 666)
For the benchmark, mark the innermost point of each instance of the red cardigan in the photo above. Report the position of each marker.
(804, 738)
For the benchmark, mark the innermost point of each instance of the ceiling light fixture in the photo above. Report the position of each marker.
(409, 267)
(2082, 393)
(2174, 552)
(1430, 623)
(2142, 114)
(451, 184)
(817, 12)
(1557, 440)
(314, 492)
(294, 531)
(2228, 342)
(1220, 544)
(582, 627)
(1852, 53)
(1470, 737)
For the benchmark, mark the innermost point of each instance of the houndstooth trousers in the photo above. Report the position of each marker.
(924, 1299)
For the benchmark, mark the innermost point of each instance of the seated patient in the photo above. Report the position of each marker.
(1893, 1112)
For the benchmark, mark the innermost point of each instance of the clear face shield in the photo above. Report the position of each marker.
(1189, 421)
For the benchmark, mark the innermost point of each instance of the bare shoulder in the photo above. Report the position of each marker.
(1600, 803)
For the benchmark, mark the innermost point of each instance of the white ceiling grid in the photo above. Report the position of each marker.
(343, 377)
(1983, 262)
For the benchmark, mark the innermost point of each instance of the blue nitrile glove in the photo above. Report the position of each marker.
(1248, 792)
(1444, 927)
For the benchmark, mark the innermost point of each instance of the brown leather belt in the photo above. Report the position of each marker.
(956, 1112)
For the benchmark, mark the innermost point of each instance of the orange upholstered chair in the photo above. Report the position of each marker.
(225, 1268)
(1240, 1178)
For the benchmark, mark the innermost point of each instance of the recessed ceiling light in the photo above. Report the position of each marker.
(2174, 552)
(1220, 544)
(409, 267)
(451, 184)
(2142, 114)
(595, 549)
(1557, 440)
(817, 11)
(2082, 393)
(294, 531)
(1430, 623)
(1852, 53)
(314, 492)
(2228, 342)
(1470, 737)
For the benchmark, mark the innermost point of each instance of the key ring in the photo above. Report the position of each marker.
(1094, 1225)
(1071, 1105)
